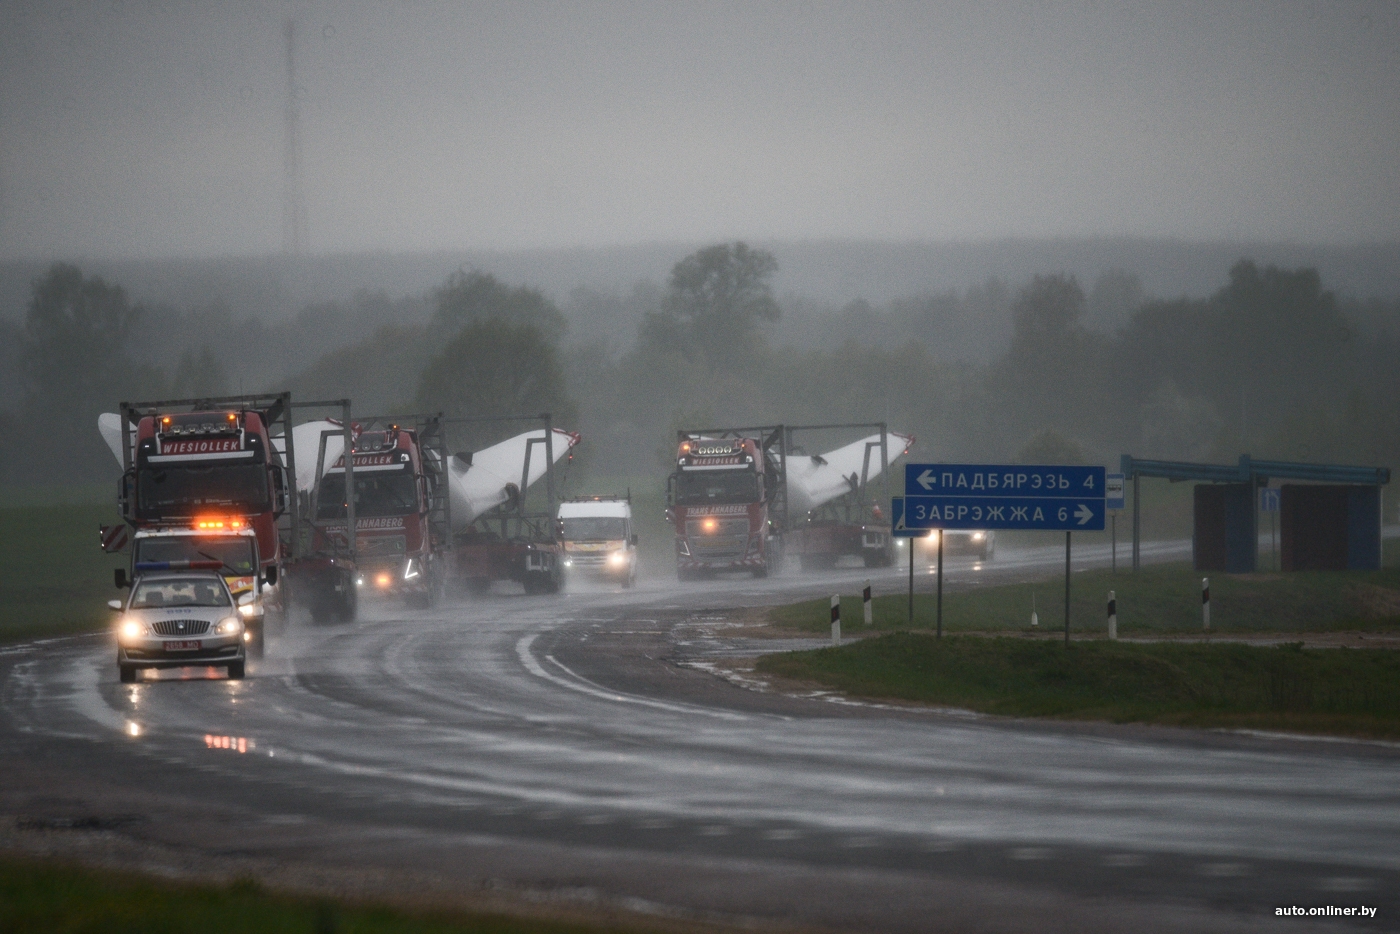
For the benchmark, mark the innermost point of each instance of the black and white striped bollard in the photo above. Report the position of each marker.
(869, 608)
(836, 619)
(1112, 616)
(1205, 604)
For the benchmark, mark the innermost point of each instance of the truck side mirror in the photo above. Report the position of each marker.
(270, 575)
(119, 578)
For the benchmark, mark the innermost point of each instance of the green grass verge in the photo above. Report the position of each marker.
(45, 897)
(1157, 599)
(1336, 691)
(54, 577)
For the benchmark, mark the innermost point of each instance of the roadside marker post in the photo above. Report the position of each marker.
(940, 586)
(1205, 604)
(869, 609)
(1112, 616)
(836, 619)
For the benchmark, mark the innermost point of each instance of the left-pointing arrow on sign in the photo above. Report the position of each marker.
(1083, 514)
(926, 480)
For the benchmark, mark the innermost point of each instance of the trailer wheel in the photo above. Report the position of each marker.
(235, 671)
(127, 673)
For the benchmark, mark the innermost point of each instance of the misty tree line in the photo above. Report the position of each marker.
(1272, 363)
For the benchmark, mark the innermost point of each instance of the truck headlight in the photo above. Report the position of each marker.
(409, 571)
(249, 609)
(132, 629)
(617, 558)
(228, 626)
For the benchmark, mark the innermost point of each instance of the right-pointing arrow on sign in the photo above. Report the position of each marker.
(1083, 514)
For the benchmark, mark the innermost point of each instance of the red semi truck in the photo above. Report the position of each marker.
(741, 499)
(202, 481)
(401, 512)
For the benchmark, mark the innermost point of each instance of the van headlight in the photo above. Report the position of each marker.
(617, 558)
(228, 626)
(132, 629)
(249, 609)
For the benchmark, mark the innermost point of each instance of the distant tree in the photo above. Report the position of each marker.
(1050, 447)
(493, 367)
(468, 298)
(717, 297)
(77, 364)
(199, 375)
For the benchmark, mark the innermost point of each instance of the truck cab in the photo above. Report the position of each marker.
(723, 502)
(396, 549)
(598, 539)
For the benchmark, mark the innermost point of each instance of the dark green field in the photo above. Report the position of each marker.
(1159, 599)
(43, 898)
(56, 579)
(1338, 691)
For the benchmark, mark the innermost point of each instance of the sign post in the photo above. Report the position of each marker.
(1012, 497)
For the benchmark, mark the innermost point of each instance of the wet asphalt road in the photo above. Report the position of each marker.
(578, 750)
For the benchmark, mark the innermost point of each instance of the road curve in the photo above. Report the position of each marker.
(575, 751)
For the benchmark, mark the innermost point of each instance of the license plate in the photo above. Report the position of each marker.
(187, 646)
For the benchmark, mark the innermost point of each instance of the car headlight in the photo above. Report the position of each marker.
(228, 626)
(132, 629)
(977, 536)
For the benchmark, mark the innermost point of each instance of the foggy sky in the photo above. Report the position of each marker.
(132, 128)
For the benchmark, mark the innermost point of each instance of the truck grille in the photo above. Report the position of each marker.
(730, 539)
(181, 627)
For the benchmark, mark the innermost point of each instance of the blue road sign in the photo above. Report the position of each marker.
(1004, 481)
(1113, 490)
(1268, 500)
(913, 514)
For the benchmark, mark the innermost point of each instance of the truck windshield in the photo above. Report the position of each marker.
(593, 528)
(174, 592)
(235, 553)
(716, 487)
(376, 494)
(186, 489)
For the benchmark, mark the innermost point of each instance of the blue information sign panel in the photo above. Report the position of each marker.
(1003, 481)
(1002, 497)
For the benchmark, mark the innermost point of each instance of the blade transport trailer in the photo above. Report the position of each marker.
(741, 498)
(202, 480)
(842, 518)
(503, 533)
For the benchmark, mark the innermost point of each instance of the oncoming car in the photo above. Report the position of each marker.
(977, 542)
(173, 619)
(598, 539)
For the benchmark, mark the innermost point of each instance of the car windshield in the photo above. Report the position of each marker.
(715, 487)
(176, 592)
(185, 489)
(593, 528)
(236, 554)
(376, 494)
